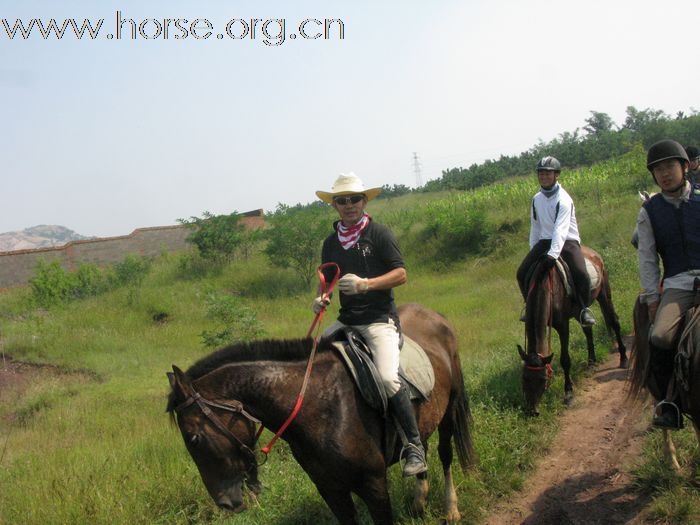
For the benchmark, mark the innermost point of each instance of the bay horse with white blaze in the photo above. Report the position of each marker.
(549, 305)
(336, 437)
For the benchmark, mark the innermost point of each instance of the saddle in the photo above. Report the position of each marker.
(566, 277)
(415, 369)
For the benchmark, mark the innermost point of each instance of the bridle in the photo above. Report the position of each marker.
(237, 408)
(547, 367)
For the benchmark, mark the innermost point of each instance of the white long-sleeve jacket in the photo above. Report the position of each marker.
(553, 218)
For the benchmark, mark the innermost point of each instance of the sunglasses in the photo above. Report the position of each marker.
(353, 199)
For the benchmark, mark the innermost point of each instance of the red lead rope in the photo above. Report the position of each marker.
(315, 324)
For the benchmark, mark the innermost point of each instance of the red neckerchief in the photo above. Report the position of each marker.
(348, 237)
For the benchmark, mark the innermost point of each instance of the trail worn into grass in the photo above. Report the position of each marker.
(585, 476)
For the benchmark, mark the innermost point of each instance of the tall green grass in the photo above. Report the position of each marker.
(103, 451)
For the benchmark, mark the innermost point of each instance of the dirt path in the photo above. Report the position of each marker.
(584, 479)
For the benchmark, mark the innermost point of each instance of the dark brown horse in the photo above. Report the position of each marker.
(336, 437)
(549, 306)
(641, 379)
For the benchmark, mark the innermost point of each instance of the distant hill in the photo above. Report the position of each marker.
(42, 236)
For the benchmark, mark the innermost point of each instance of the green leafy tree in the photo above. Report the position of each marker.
(295, 236)
(216, 236)
(598, 123)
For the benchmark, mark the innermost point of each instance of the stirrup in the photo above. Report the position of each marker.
(415, 460)
(669, 415)
(583, 312)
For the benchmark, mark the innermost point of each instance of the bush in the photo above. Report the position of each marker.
(51, 284)
(237, 322)
(216, 236)
(131, 271)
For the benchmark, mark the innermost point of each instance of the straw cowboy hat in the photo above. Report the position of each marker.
(347, 184)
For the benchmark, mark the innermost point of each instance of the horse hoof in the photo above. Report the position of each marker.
(568, 398)
(624, 362)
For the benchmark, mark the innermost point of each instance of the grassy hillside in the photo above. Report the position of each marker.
(101, 450)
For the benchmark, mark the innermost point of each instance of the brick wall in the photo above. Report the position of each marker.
(17, 267)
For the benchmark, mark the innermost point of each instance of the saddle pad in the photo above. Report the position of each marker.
(591, 269)
(416, 368)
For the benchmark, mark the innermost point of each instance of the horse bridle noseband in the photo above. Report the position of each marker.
(204, 405)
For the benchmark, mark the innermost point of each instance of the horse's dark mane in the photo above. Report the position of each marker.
(262, 350)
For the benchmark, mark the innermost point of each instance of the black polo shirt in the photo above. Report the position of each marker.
(375, 253)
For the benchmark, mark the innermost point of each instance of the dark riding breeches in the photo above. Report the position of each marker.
(571, 253)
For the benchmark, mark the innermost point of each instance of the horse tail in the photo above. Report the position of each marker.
(639, 370)
(462, 421)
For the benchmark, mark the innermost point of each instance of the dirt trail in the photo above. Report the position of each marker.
(584, 478)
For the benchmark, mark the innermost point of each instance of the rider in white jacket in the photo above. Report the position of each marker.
(554, 233)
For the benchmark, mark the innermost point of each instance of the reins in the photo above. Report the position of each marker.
(204, 403)
(325, 292)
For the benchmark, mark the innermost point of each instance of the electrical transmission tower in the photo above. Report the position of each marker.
(417, 170)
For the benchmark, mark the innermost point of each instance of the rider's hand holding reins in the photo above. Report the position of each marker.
(351, 284)
(320, 303)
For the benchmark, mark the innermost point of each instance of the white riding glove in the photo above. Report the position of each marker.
(351, 284)
(320, 303)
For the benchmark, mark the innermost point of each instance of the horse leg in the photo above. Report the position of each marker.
(341, 504)
(446, 432)
(565, 361)
(670, 451)
(588, 332)
(612, 322)
(375, 494)
(420, 494)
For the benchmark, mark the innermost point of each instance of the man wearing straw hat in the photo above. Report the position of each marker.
(371, 265)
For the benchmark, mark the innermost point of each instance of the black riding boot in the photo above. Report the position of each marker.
(402, 410)
(667, 412)
(585, 316)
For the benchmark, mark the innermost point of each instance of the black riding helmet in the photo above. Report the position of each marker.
(548, 164)
(664, 150)
(693, 152)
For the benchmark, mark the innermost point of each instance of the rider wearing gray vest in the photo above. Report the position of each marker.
(669, 229)
(371, 265)
(554, 232)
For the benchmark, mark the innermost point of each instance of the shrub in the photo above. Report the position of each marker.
(216, 236)
(236, 321)
(51, 284)
(131, 271)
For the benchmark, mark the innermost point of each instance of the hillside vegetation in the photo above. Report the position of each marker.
(103, 451)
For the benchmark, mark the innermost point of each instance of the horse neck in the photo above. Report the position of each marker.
(542, 308)
(267, 389)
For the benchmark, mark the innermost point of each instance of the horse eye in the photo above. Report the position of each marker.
(195, 440)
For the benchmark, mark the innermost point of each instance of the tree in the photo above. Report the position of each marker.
(295, 235)
(215, 236)
(598, 123)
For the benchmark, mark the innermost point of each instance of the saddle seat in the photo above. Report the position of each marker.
(566, 277)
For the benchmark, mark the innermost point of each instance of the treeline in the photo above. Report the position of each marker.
(600, 139)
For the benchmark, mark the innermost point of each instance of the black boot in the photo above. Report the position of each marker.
(585, 316)
(667, 413)
(402, 410)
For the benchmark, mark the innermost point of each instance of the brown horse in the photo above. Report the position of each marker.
(548, 305)
(336, 437)
(641, 379)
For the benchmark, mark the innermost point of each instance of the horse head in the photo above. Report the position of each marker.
(537, 371)
(220, 436)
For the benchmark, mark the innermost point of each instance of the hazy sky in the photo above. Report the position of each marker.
(104, 136)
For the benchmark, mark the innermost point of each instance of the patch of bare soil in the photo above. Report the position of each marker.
(585, 476)
(17, 377)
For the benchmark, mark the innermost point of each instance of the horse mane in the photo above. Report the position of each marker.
(260, 350)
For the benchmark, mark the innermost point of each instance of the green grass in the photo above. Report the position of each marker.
(102, 450)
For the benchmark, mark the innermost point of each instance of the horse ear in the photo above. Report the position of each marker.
(522, 353)
(547, 360)
(179, 381)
